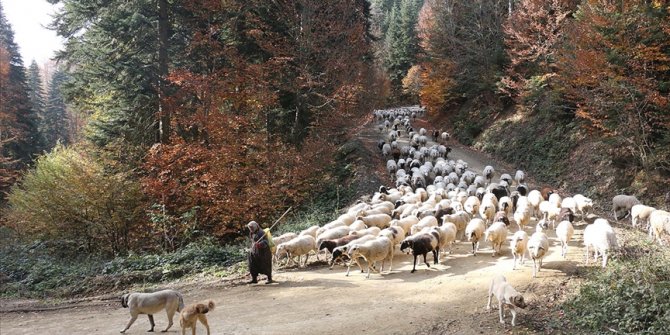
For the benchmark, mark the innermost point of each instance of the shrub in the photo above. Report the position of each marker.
(632, 295)
(70, 198)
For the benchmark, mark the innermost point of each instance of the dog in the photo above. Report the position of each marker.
(192, 313)
(151, 303)
(506, 295)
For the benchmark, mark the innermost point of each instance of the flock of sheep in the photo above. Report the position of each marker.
(437, 201)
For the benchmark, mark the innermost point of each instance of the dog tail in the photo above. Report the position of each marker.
(210, 304)
(181, 302)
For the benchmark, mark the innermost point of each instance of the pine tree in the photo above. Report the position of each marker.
(36, 94)
(19, 121)
(55, 126)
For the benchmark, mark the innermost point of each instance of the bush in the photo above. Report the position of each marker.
(632, 295)
(69, 197)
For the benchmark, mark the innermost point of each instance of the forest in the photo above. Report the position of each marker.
(167, 125)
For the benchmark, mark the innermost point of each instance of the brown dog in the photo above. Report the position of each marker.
(192, 313)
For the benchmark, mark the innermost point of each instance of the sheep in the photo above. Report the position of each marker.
(583, 204)
(405, 223)
(330, 225)
(501, 216)
(347, 218)
(428, 221)
(311, 231)
(506, 178)
(330, 245)
(460, 219)
(395, 234)
(279, 240)
(358, 225)
(475, 231)
(538, 245)
(376, 220)
(447, 236)
(497, 235)
(379, 249)
(565, 214)
(332, 234)
(519, 245)
(622, 201)
(555, 199)
(298, 246)
(505, 204)
(659, 223)
(471, 205)
(640, 212)
(522, 216)
(549, 211)
(564, 232)
(386, 149)
(342, 251)
(487, 211)
(357, 208)
(488, 173)
(519, 177)
(374, 231)
(601, 237)
(534, 199)
(546, 192)
(422, 244)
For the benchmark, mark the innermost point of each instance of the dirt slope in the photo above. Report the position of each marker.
(448, 298)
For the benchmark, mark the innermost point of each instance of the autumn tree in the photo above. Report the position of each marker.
(533, 32)
(615, 66)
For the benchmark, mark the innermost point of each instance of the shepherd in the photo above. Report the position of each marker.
(260, 256)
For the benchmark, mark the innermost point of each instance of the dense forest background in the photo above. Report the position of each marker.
(171, 121)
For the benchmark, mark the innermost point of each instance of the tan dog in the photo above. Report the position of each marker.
(151, 303)
(506, 295)
(192, 313)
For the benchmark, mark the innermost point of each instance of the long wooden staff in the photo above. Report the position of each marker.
(274, 224)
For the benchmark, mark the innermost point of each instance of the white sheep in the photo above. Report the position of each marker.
(583, 204)
(347, 218)
(374, 231)
(447, 234)
(298, 246)
(564, 232)
(506, 205)
(522, 215)
(395, 233)
(659, 223)
(357, 225)
(640, 212)
(519, 245)
(488, 173)
(475, 232)
(519, 177)
(497, 235)
(549, 212)
(625, 202)
(379, 249)
(332, 234)
(311, 231)
(329, 226)
(534, 199)
(471, 205)
(340, 252)
(428, 221)
(405, 223)
(601, 238)
(376, 220)
(460, 219)
(487, 211)
(538, 245)
(555, 199)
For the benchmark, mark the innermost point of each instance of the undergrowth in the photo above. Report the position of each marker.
(631, 295)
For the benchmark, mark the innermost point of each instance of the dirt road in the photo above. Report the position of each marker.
(448, 298)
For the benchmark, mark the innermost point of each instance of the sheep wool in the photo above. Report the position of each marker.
(497, 235)
(538, 245)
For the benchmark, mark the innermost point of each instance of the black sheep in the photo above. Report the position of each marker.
(421, 245)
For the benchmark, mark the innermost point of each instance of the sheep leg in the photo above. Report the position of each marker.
(534, 268)
(473, 249)
(414, 268)
(424, 259)
(514, 264)
(435, 256)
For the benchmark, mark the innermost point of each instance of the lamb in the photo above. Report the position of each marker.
(601, 237)
(422, 244)
(625, 202)
(379, 249)
(475, 231)
(564, 232)
(538, 245)
(497, 235)
(428, 221)
(376, 220)
(298, 246)
(640, 212)
(519, 245)
(659, 223)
